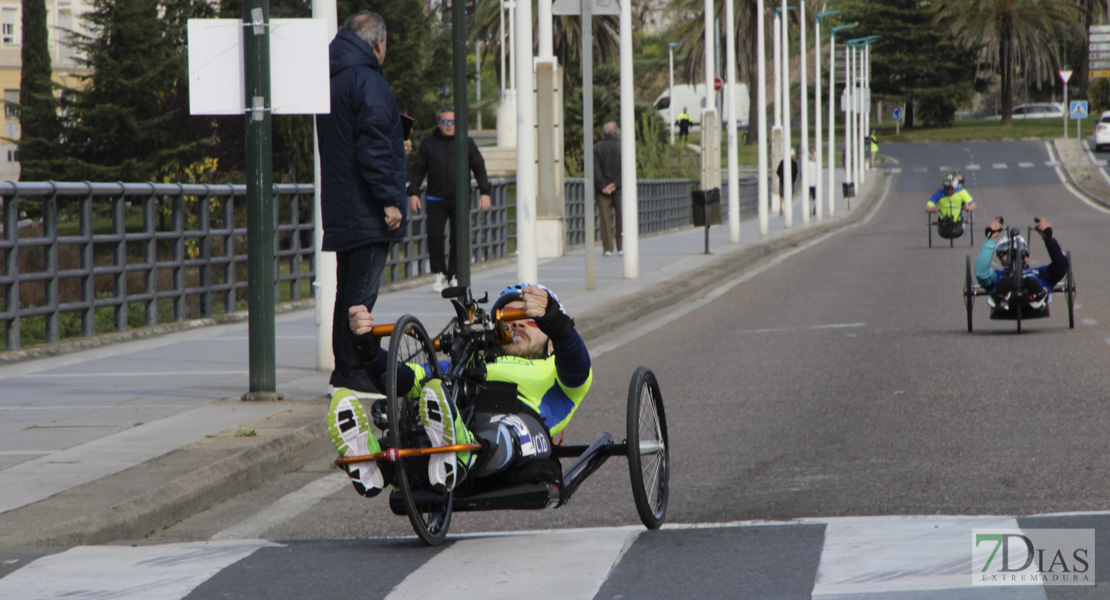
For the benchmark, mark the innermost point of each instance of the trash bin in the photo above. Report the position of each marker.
(707, 203)
(849, 189)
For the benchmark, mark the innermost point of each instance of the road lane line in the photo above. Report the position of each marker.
(286, 508)
(480, 567)
(1068, 186)
(162, 572)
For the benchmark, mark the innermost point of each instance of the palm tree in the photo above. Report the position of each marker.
(1013, 33)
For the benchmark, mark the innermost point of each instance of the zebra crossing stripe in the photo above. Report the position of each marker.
(865, 555)
(162, 572)
(478, 567)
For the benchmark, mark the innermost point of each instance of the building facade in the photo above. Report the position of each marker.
(63, 20)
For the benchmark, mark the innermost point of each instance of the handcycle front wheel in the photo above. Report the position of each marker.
(429, 511)
(1069, 293)
(648, 456)
(969, 292)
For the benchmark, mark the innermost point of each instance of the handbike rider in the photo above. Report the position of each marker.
(544, 374)
(948, 202)
(1037, 282)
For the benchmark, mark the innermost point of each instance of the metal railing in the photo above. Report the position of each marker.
(107, 257)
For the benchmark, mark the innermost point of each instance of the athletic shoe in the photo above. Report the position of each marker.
(607, 253)
(445, 470)
(350, 432)
(454, 282)
(440, 283)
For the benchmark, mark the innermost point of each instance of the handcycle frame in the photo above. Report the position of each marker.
(471, 341)
(933, 220)
(1020, 310)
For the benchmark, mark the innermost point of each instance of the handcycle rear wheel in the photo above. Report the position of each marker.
(969, 293)
(428, 511)
(1069, 293)
(648, 457)
(929, 225)
(1018, 295)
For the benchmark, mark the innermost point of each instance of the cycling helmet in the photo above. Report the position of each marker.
(513, 294)
(1002, 248)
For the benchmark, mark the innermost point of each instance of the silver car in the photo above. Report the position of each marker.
(1040, 110)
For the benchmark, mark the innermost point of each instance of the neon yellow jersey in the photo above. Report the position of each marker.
(950, 206)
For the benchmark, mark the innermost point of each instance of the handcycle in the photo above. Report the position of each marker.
(935, 220)
(1021, 309)
(471, 341)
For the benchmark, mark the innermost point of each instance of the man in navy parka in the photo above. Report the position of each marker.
(362, 164)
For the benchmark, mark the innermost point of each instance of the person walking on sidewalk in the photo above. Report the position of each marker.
(811, 175)
(874, 141)
(544, 372)
(607, 187)
(793, 178)
(436, 159)
(362, 182)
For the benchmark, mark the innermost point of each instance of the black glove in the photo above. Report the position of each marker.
(555, 323)
(367, 347)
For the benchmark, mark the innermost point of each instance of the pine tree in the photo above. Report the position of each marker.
(38, 107)
(124, 121)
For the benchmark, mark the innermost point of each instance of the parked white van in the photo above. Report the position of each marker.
(692, 98)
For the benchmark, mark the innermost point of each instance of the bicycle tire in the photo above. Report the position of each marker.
(1069, 293)
(969, 293)
(929, 222)
(648, 454)
(428, 511)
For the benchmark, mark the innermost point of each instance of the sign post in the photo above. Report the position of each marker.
(1078, 111)
(1065, 75)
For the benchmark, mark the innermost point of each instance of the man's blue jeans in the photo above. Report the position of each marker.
(358, 276)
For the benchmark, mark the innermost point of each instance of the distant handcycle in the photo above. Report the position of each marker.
(1010, 300)
(950, 228)
(471, 341)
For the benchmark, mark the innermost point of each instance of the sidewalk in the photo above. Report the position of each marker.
(118, 441)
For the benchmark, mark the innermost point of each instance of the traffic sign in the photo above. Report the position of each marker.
(1098, 65)
(717, 84)
(1104, 47)
(1065, 74)
(1099, 29)
(1078, 109)
(1098, 74)
(1099, 37)
(896, 114)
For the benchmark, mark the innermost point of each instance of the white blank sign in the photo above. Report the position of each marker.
(298, 67)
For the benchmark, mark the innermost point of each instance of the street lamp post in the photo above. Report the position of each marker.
(862, 91)
(803, 147)
(818, 156)
(832, 113)
(761, 117)
(671, 92)
(787, 168)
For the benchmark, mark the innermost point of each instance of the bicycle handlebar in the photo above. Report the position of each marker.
(503, 315)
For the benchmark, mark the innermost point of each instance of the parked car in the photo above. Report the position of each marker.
(1040, 110)
(1102, 132)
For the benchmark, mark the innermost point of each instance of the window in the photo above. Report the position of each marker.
(13, 156)
(9, 27)
(11, 100)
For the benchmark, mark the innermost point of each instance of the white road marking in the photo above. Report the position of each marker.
(973, 167)
(1089, 321)
(480, 567)
(286, 508)
(1025, 165)
(1068, 186)
(864, 555)
(806, 328)
(164, 572)
(1000, 166)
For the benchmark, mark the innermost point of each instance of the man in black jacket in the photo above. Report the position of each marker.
(607, 187)
(436, 159)
(362, 183)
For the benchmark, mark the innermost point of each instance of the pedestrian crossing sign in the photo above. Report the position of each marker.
(1078, 109)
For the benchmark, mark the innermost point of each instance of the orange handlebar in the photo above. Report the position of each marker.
(505, 314)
